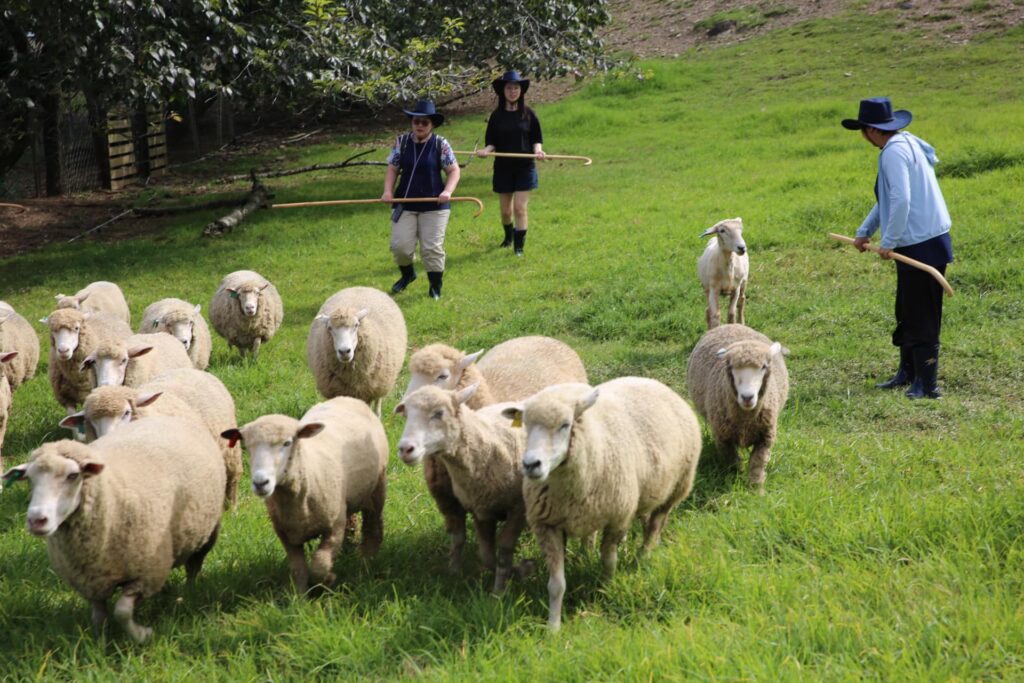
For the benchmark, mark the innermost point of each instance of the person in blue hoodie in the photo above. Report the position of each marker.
(914, 221)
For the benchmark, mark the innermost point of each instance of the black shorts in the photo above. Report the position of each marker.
(515, 180)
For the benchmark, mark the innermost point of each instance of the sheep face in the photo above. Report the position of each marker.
(749, 365)
(729, 234)
(270, 456)
(56, 489)
(549, 420)
(110, 362)
(436, 370)
(248, 297)
(65, 329)
(343, 326)
(180, 327)
(430, 421)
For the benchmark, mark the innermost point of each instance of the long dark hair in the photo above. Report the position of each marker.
(524, 111)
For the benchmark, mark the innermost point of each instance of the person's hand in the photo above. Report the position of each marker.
(482, 153)
(860, 242)
(387, 197)
(444, 197)
(885, 253)
(540, 155)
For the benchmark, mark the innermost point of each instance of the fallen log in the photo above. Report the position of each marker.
(258, 198)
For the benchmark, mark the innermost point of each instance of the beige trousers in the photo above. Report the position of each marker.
(426, 226)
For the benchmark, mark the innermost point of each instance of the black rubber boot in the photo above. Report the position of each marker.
(408, 275)
(519, 239)
(905, 374)
(436, 279)
(507, 242)
(926, 371)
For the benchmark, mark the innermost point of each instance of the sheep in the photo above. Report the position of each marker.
(313, 473)
(184, 322)
(135, 360)
(246, 310)
(597, 458)
(185, 392)
(356, 345)
(123, 511)
(103, 297)
(739, 383)
(5, 400)
(511, 371)
(16, 334)
(73, 336)
(723, 268)
(482, 454)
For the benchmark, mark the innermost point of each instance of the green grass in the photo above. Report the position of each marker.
(888, 545)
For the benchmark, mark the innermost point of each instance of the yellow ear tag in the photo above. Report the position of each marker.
(517, 421)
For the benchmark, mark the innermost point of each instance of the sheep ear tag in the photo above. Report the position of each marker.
(156, 323)
(81, 427)
(517, 421)
(233, 294)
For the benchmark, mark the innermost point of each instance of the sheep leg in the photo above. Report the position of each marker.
(713, 317)
(323, 557)
(507, 540)
(741, 297)
(194, 563)
(375, 404)
(610, 550)
(588, 542)
(124, 612)
(552, 542)
(256, 347)
(728, 455)
(734, 300)
(297, 565)
(486, 530)
(99, 616)
(653, 527)
(373, 519)
(758, 461)
(439, 483)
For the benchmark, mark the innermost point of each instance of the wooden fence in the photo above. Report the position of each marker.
(127, 163)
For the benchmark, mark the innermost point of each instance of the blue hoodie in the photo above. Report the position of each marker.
(910, 207)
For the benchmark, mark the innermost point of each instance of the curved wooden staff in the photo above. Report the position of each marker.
(13, 206)
(340, 202)
(902, 259)
(587, 161)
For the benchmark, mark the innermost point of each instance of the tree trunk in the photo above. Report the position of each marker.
(53, 150)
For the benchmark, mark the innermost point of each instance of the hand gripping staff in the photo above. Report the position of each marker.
(902, 259)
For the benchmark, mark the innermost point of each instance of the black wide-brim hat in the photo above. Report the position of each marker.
(426, 108)
(512, 76)
(877, 112)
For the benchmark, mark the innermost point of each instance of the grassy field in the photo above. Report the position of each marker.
(888, 545)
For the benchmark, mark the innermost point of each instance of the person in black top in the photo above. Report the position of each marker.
(513, 127)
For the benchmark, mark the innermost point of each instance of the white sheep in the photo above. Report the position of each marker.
(135, 360)
(5, 400)
(356, 345)
(739, 383)
(123, 511)
(596, 459)
(16, 334)
(723, 268)
(102, 297)
(184, 322)
(73, 336)
(315, 472)
(185, 392)
(483, 456)
(511, 371)
(246, 310)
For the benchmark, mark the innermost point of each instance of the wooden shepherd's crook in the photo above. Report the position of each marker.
(587, 161)
(902, 259)
(339, 202)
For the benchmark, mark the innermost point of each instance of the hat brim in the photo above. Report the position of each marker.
(499, 86)
(900, 119)
(437, 119)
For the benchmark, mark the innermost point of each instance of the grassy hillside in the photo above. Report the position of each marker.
(888, 543)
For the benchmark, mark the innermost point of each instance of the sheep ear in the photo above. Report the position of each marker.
(362, 313)
(74, 422)
(16, 473)
(308, 430)
(400, 409)
(143, 400)
(58, 297)
(91, 469)
(514, 413)
(82, 298)
(586, 402)
(87, 361)
(325, 319)
(7, 355)
(232, 435)
(713, 230)
(139, 351)
(464, 395)
(265, 285)
(776, 349)
(195, 311)
(45, 321)
(469, 359)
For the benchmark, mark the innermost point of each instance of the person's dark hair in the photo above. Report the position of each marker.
(524, 111)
